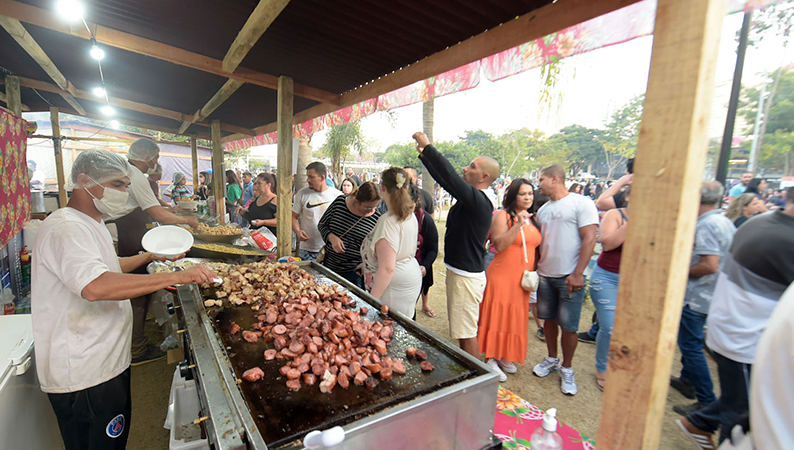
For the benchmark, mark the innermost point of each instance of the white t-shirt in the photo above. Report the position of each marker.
(79, 344)
(406, 282)
(141, 195)
(771, 391)
(560, 222)
(311, 206)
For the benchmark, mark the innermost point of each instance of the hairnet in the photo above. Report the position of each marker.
(143, 150)
(178, 176)
(100, 165)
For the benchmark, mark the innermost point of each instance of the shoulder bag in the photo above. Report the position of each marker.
(529, 279)
(321, 254)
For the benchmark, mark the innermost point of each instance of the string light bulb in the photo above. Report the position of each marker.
(97, 53)
(115, 124)
(70, 10)
(108, 110)
(99, 91)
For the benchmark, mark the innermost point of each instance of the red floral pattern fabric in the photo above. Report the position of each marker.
(14, 180)
(516, 420)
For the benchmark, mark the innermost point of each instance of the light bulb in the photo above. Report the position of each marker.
(107, 110)
(97, 53)
(99, 91)
(70, 10)
(114, 124)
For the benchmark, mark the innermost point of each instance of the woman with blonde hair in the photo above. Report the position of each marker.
(744, 207)
(391, 272)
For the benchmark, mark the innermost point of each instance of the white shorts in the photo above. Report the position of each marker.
(533, 297)
(464, 295)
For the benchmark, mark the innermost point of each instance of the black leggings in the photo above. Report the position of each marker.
(96, 418)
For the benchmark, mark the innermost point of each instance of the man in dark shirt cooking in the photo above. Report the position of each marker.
(468, 223)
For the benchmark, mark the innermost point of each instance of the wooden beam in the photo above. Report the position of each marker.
(284, 170)
(226, 91)
(536, 24)
(258, 22)
(136, 44)
(26, 41)
(133, 106)
(218, 176)
(4, 100)
(131, 123)
(56, 145)
(194, 159)
(671, 155)
(13, 98)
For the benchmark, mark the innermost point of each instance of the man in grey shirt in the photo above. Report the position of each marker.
(713, 238)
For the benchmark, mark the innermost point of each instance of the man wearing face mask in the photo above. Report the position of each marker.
(82, 320)
(128, 225)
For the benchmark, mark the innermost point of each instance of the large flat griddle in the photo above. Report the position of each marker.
(284, 416)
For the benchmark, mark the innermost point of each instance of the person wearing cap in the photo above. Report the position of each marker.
(37, 177)
(128, 225)
(154, 183)
(82, 318)
(178, 189)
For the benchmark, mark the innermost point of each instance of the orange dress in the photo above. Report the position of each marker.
(504, 311)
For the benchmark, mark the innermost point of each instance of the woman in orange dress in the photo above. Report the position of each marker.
(504, 311)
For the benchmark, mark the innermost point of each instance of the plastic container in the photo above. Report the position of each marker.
(546, 437)
(167, 240)
(183, 410)
(24, 258)
(7, 300)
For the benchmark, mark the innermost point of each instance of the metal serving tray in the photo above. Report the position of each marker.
(451, 408)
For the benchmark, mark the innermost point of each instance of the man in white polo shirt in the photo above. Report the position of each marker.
(82, 319)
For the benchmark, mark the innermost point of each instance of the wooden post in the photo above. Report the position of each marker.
(56, 145)
(284, 160)
(194, 155)
(13, 98)
(428, 118)
(671, 156)
(218, 176)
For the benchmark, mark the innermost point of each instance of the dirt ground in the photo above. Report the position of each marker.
(580, 411)
(151, 382)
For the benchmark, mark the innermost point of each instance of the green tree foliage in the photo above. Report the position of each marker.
(621, 133)
(401, 155)
(776, 153)
(584, 145)
(342, 141)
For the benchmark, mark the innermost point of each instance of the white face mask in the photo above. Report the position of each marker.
(112, 201)
(151, 170)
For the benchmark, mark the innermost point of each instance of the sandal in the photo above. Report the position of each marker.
(429, 312)
(601, 380)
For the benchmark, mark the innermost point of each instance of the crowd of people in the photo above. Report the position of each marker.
(511, 250)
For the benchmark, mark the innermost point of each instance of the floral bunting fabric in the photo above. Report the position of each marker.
(14, 180)
(618, 26)
(309, 127)
(351, 113)
(456, 80)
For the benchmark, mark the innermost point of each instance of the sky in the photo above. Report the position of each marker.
(592, 86)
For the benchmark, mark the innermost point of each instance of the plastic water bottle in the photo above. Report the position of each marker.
(546, 437)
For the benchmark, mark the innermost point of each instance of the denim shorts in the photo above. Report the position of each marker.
(554, 303)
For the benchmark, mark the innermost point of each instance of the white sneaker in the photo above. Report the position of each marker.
(547, 366)
(507, 366)
(568, 381)
(495, 366)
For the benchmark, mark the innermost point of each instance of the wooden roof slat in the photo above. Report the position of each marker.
(47, 19)
(130, 105)
(32, 48)
(4, 100)
(258, 22)
(226, 91)
(533, 25)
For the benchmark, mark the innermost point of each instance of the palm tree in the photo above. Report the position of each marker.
(428, 115)
(342, 140)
